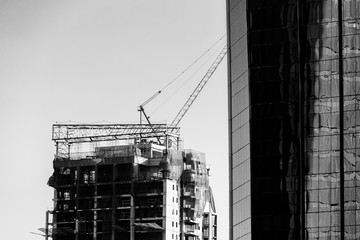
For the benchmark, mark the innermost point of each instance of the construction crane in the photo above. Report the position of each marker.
(193, 95)
(64, 135)
(199, 87)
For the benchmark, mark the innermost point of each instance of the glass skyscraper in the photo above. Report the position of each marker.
(294, 119)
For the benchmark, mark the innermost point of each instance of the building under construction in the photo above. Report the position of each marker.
(131, 182)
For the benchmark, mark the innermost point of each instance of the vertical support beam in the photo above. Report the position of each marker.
(166, 143)
(165, 206)
(181, 209)
(95, 218)
(68, 148)
(68, 144)
(113, 206)
(341, 113)
(95, 181)
(76, 228)
(76, 182)
(301, 104)
(57, 148)
(140, 116)
(132, 212)
(229, 125)
(47, 225)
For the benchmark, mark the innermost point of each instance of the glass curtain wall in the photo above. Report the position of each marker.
(332, 193)
(274, 118)
(294, 89)
(240, 202)
(351, 116)
(322, 121)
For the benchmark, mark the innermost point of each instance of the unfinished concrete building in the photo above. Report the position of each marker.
(128, 182)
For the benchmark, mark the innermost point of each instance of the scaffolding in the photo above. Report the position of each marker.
(68, 136)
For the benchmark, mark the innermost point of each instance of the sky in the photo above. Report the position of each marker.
(92, 61)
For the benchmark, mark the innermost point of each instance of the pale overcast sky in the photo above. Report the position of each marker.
(94, 60)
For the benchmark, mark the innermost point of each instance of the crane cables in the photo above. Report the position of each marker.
(180, 74)
(200, 68)
(199, 87)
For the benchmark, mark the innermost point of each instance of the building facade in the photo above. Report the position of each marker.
(294, 119)
(133, 191)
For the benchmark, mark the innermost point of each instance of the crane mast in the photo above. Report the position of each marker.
(199, 87)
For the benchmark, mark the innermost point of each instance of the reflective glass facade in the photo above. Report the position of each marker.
(294, 118)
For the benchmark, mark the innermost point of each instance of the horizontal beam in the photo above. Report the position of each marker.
(77, 133)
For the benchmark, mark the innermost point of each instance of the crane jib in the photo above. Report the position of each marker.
(199, 87)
